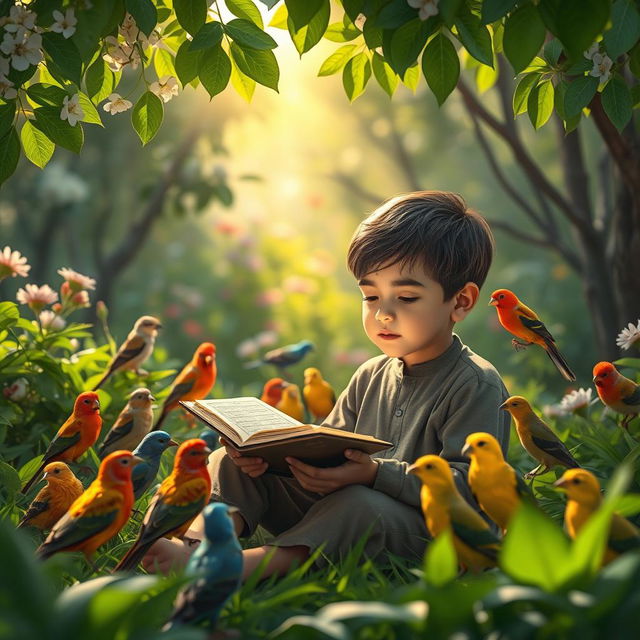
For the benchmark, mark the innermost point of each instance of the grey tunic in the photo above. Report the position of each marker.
(427, 408)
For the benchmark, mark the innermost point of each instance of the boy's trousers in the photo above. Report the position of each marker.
(337, 521)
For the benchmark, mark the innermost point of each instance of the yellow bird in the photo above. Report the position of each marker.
(537, 438)
(444, 508)
(496, 485)
(584, 499)
(290, 402)
(52, 501)
(318, 394)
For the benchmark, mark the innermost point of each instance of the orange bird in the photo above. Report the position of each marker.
(616, 391)
(99, 513)
(75, 436)
(179, 499)
(523, 323)
(194, 381)
(272, 392)
(52, 501)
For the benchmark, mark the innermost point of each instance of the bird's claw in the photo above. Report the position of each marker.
(519, 346)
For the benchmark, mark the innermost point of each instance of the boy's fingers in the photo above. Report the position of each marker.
(307, 469)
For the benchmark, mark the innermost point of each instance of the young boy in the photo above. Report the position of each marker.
(419, 260)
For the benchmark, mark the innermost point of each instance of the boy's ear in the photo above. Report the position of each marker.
(465, 300)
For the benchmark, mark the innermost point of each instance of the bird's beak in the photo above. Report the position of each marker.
(493, 302)
(595, 380)
(158, 326)
(151, 398)
(136, 460)
(412, 468)
(96, 405)
(503, 405)
(207, 451)
(283, 385)
(208, 359)
(466, 450)
(561, 483)
(44, 476)
(173, 443)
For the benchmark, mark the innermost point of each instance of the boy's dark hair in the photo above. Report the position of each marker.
(454, 244)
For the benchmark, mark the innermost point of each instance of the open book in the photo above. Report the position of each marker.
(258, 429)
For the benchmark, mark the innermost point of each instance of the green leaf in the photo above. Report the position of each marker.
(579, 94)
(493, 10)
(209, 35)
(100, 80)
(355, 75)
(163, 63)
(47, 94)
(7, 115)
(187, 63)
(475, 37)
(245, 9)
(635, 96)
(191, 14)
(633, 363)
(308, 36)
(374, 36)
(625, 28)
(552, 51)
(411, 77)
(578, 23)
(486, 77)
(406, 43)
(559, 99)
(91, 114)
(301, 11)
(634, 60)
(247, 34)
(60, 131)
(280, 18)
(394, 15)
(441, 560)
(9, 315)
(524, 34)
(448, 10)
(387, 78)
(64, 55)
(337, 60)
(540, 103)
(144, 13)
(37, 147)
(27, 470)
(147, 116)
(530, 529)
(617, 102)
(338, 32)
(243, 84)
(440, 66)
(262, 66)
(9, 154)
(215, 70)
(9, 478)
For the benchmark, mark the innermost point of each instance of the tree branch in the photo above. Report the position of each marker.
(356, 188)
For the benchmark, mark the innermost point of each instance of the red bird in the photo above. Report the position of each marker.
(523, 323)
(272, 392)
(75, 436)
(194, 382)
(616, 391)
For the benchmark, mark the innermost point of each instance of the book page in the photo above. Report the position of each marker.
(250, 417)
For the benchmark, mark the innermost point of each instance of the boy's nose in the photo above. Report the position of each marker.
(383, 315)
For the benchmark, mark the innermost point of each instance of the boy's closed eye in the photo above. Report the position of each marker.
(405, 299)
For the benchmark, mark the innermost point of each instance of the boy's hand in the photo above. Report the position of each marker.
(166, 556)
(359, 469)
(252, 466)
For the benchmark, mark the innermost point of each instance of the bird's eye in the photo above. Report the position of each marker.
(576, 481)
(162, 440)
(605, 374)
(56, 471)
(501, 296)
(481, 443)
(428, 466)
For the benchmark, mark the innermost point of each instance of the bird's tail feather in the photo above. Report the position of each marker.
(102, 380)
(254, 364)
(133, 557)
(558, 359)
(161, 418)
(34, 477)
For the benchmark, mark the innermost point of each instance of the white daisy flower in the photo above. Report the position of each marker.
(76, 280)
(576, 400)
(36, 297)
(71, 110)
(629, 336)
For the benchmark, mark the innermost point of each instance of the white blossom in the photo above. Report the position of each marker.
(602, 64)
(165, 88)
(64, 23)
(591, 51)
(23, 47)
(71, 109)
(4, 66)
(116, 104)
(7, 89)
(629, 336)
(120, 54)
(19, 18)
(427, 8)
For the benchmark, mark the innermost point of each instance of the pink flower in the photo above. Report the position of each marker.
(321, 263)
(269, 297)
(17, 390)
(254, 263)
(266, 338)
(192, 328)
(172, 310)
(36, 297)
(246, 348)
(76, 280)
(80, 300)
(227, 226)
(299, 284)
(50, 320)
(12, 264)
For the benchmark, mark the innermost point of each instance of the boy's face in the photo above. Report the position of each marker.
(404, 314)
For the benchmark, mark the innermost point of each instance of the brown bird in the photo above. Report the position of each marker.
(272, 392)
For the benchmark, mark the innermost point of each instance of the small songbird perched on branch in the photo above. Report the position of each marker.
(133, 424)
(617, 392)
(496, 485)
(284, 356)
(290, 403)
(444, 508)
(584, 499)
(150, 452)
(537, 438)
(52, 501)
(216, 570)
(194, 381)
(75, 436)
(272, 392)
(99, 513)
(318, 394)
(523, 323)
(180, 498)
(135, 349)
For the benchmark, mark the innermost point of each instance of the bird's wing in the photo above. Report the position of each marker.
(527, 312)
(202, 599)
(624, 536)
(129, 350)
(121, 428)
(483, 541)
(35, 509)
(93, 516)
(555, 448)
(282, 355)
(61, 443)
(182, 385)
(523, 489)
(537, 326)
(633, 398)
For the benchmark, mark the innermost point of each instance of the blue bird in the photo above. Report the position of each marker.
(150, 450)
(210, 437)
(216, 569)
(284, 356)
